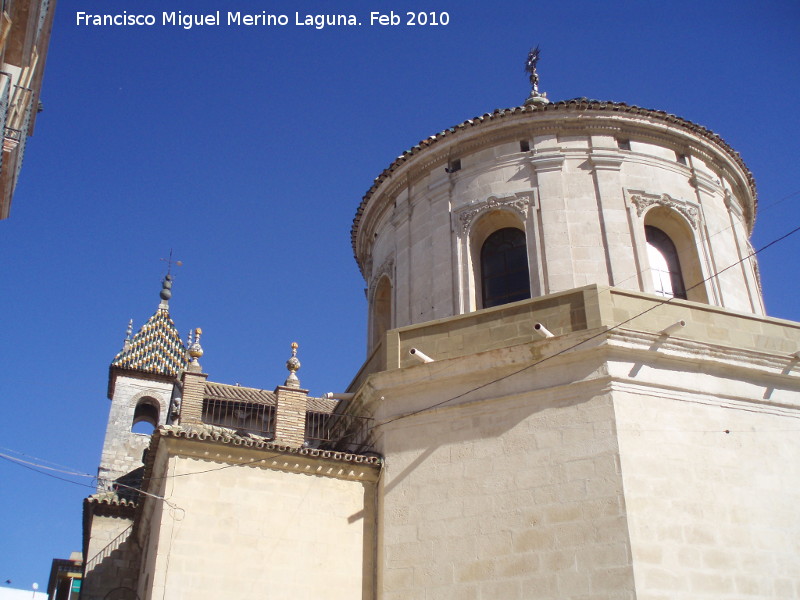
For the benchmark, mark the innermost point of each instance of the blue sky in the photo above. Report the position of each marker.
(247, 151)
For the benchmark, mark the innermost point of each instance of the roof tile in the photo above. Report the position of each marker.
(156, 348)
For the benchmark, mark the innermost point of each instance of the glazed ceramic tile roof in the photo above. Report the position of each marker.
(156, 348)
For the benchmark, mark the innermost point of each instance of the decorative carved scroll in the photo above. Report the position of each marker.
(643, 201)
(519, 203)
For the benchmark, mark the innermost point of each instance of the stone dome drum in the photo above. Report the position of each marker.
(588, 192)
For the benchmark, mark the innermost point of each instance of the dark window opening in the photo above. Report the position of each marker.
(524, 146)
(664, 264)
(624, 144)
(681, 158)
(504, 268)
(453, 166)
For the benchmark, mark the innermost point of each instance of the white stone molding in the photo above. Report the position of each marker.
(605, 161)
(547, 162)
(642, 201)
(704, 183)
(733, 205)
(465, 216)
(754, 263)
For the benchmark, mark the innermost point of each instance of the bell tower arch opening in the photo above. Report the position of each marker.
(146, 416)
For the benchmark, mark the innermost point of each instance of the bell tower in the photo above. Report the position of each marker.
(140, 384)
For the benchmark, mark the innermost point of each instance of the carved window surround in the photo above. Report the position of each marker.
(521, 204)
(642, 201)
(466, 215)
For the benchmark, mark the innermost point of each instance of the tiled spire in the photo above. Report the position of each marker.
(157, 346)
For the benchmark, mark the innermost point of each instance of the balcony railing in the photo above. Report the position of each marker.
(338, 431)
(241, 416)
(346, 433)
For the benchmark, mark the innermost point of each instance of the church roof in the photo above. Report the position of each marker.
(156, 348)
(237, 393)
(577, 105)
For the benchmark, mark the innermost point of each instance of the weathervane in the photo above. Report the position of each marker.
(533, 76)
(178, 263)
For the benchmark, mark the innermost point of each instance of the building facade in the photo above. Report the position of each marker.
(571, 391)
(25, 27)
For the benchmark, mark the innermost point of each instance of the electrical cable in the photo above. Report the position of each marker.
(25, 466)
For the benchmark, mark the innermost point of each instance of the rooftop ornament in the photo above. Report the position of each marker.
(166, 291)
(166, 286)
(293, 364)
(530, 68)
(195, 349)
(128, 332)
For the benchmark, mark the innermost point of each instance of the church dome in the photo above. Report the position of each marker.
(546, 197)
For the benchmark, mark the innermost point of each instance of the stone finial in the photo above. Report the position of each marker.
(166, 291)
(293, 364)
(127, 343)
(530, 68)
(195, 349)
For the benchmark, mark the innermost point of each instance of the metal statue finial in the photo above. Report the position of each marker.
(530, 68)
(293, 364)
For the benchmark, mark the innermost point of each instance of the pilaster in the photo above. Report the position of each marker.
(290, 415)
(194, 385)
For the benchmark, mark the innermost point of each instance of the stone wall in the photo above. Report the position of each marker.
(113, 557)
(519, 497)
(605, 462)
(246, 523)
(712, 513)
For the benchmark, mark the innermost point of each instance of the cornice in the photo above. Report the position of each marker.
(224, 436)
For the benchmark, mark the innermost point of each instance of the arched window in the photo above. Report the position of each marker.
(664, 264)
(145, 417)
(504, 268)
(381, 311)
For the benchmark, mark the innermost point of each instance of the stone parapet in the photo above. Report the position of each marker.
(591, 307)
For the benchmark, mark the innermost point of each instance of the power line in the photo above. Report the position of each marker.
(45, 473)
